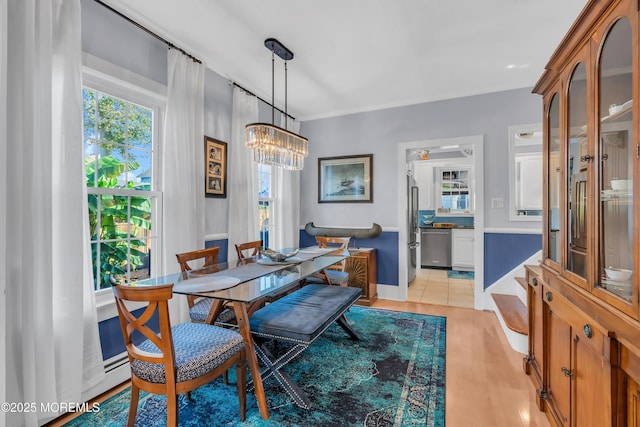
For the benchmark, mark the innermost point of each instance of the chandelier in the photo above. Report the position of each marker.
(271, 144)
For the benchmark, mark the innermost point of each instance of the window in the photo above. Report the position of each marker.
(120, 138)
(265, 202)
(455, 190)
(525, 172)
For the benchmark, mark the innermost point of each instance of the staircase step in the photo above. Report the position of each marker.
(513, 311)
(522, 281)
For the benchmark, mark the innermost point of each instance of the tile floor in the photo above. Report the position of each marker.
(432, 286)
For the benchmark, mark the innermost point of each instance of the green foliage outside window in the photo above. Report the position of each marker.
(120, 220)
(117, 140)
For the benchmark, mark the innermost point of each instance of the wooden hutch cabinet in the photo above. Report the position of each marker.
(583, 300)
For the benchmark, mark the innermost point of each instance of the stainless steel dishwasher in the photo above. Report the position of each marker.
(435, 247)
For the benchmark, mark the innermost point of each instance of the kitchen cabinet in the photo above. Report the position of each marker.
(462, 249)
(584, 312)
(425, 179)
(534, 361)
(579, 369)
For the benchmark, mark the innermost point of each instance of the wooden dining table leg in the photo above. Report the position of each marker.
(245, 330)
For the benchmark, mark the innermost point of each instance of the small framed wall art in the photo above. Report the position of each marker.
(215, 167)
(345, 179)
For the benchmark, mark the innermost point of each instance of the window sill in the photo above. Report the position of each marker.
(106, 305)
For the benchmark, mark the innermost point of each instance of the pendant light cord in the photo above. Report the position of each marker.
(273, 90)
(285, 95)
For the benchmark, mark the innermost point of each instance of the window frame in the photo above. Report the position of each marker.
(114, 81)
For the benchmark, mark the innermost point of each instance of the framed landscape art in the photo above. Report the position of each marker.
(345, 179)
(215, 167)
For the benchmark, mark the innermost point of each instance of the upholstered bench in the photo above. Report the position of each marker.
(299, 319)
(335, 277)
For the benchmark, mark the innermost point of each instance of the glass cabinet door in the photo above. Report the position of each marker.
(553, 180)
(578, 179)
(617, 154)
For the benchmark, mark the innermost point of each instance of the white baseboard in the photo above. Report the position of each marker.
(390, 292)
(112, 379)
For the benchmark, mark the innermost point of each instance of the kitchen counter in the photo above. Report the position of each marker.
(469, 227)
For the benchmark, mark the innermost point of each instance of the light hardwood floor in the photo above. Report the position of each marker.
(485, 384)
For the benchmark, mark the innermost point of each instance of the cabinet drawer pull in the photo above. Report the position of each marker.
(534, 282)
(549, 296)
(567, 372)
(586, 158)
(588, 332)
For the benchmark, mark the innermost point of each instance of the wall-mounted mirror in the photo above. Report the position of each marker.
(525, 172)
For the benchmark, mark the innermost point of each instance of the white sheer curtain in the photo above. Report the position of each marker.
(183, 168)
(53, 349)
(286, 212)
(3, 202)
(242, 186)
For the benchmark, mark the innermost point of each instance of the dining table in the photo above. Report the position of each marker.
(247, 286)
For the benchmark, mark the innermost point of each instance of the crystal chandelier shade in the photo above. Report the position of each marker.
(270, 144)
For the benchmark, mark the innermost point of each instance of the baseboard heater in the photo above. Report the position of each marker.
(115, 362)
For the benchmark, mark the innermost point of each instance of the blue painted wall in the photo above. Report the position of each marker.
(224, 248)
(111, 339)
(386, 253)
(503, 252)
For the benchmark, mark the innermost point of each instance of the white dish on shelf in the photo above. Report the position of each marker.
(613, 108)
(620, 184)
(618, 274)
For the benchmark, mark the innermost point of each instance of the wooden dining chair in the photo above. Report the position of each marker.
(200, 309)
(178, 359)
(248, 249)
(335, 274)
(333, 242)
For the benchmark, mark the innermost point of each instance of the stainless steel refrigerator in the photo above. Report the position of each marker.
(412, 227)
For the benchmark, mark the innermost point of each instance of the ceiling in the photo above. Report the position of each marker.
(355, 55)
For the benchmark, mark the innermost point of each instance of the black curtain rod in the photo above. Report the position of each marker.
(148, 31)
(266, 102)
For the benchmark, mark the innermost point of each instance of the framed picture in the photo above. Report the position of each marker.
(345, 179)
(215, 168)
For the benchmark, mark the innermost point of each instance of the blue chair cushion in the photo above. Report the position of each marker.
(200, 311)
(304, 314)
(199, 348)
(335, 277)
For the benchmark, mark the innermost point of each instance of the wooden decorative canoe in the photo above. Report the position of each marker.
(355, 233)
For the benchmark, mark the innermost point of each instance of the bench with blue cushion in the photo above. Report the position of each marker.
(299, 319)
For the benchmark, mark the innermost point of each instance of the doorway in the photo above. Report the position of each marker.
(475, 147)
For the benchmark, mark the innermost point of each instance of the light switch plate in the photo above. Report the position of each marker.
(497, 203)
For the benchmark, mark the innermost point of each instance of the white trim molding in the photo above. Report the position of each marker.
(476, 143)
(217, 236)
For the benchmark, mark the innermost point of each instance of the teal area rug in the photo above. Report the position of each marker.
(455, 274)
(394, 376)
